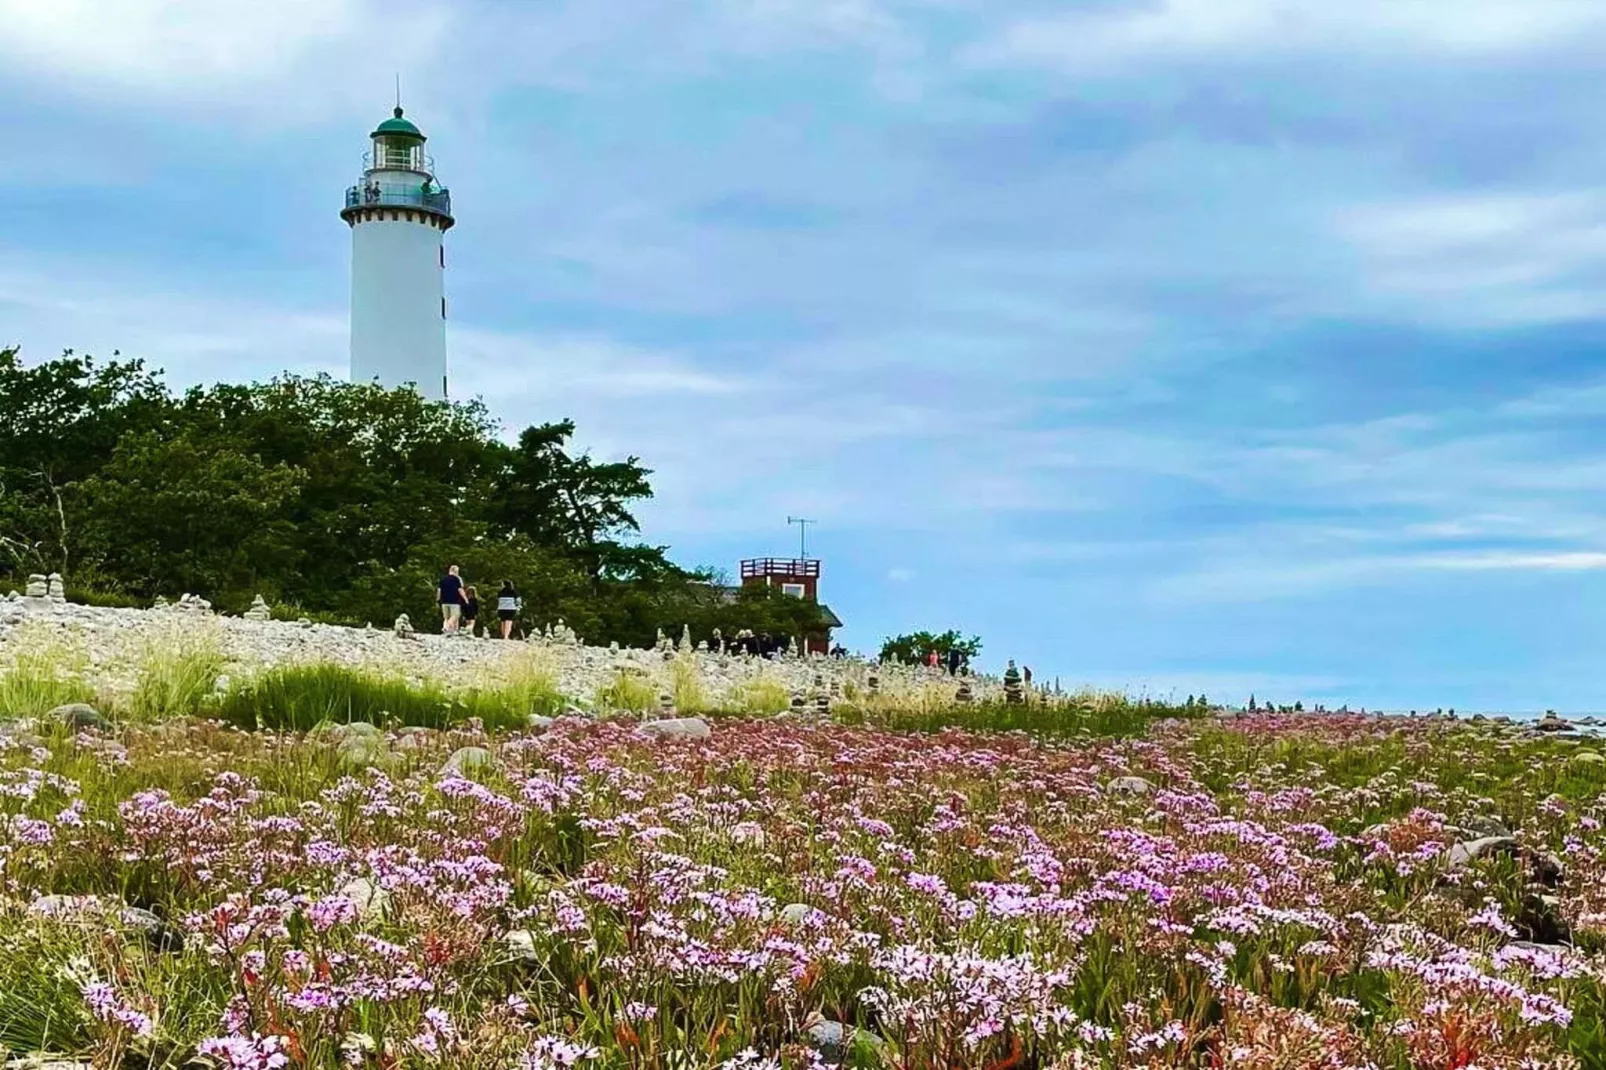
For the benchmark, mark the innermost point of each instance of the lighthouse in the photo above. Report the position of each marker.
(399, 216)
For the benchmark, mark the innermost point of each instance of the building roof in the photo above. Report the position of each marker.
(829, 619)
(396, 126)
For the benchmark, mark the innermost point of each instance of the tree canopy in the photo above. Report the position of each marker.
(916, 645)
(342, 501)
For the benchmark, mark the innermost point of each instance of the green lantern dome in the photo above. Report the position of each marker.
(396, 126)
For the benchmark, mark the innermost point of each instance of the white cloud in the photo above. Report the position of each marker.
(1103, 38)
(281, 57)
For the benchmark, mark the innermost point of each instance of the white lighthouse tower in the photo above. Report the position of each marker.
(398, 216)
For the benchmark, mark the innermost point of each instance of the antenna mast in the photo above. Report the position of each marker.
(802, 534)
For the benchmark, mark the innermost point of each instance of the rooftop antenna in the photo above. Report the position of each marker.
(802, 534)
(398, 93)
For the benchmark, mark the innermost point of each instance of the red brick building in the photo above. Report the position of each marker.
(800, 578)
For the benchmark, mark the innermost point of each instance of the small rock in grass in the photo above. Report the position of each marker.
(161, 935)
(833, 1041)
(466, 760)
(1484, 825)
(796, 914)
(1130, 785)
(519, 946)
(370, 899)
(684, 727)
(1468, 850)
(539, 722)
(360, 752)
(79, 715)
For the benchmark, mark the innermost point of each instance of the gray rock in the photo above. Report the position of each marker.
(795, 914)
(371, 900)
(539, 722)
(682, 727)
(1130, 785)
(467, 760)
(41, 1061)
(360, 752)
(519, 946)
(1460, 854)
(161, 935)
(833, 1041)
(79, 715)
(1484, 825)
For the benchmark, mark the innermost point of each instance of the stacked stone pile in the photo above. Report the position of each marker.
(114, 636)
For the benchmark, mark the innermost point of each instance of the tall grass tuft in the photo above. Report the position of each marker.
(758, 695)
(179, 666)
(686, 684)
(46, 668)
(529, 683)
(301, 697)
(627, 691)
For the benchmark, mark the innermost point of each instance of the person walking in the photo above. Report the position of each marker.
(450, 597)
(471, 609)
(508, 604)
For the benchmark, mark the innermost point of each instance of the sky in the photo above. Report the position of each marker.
(1181, 346)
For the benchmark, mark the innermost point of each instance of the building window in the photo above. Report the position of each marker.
(793, 590)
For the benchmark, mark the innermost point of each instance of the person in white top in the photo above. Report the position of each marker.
(508, 605)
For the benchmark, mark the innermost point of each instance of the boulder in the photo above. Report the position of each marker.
(539, 722)
(1552, 723)
(1130, 785)
(79, 715)
(467, 760)
(682, 727)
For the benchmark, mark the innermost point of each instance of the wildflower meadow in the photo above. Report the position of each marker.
(1275, 893)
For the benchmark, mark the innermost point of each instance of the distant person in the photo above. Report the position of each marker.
(471, 608)
(955, 659)
(932, 658)
(450, 597)
(508, 604)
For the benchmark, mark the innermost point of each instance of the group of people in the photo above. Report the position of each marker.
(460, 605)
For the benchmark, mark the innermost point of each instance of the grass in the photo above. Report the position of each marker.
(1089, 714)
(302, 697)
(627, 691)
(179, 667)
(46, 670)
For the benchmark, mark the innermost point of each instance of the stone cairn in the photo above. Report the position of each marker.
(874, 683)
(56, 588)
(791, 647)
(798, 703)
(964, 696)
(192, 603)
(259, 609)
(666, 704)
(403, 626)
(38, 586)
(718, 643)
(1014, 691)
(685, 639)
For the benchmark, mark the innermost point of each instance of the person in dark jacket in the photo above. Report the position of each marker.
(450, 596)
(471, 608)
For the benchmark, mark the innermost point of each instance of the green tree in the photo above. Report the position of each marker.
(63, 420)
(916, 645)
(189, 514)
